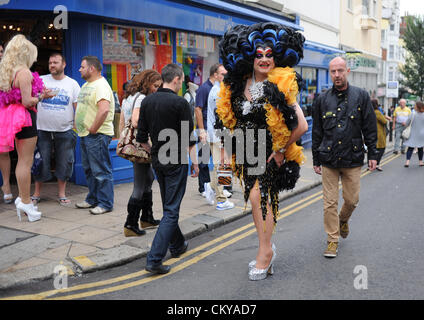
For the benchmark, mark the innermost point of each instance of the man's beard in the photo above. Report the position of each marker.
(57, 72)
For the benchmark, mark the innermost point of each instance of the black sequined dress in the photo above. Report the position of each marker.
(268, 177)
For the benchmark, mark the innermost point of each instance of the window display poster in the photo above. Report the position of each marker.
(163, 56)
(193, 66)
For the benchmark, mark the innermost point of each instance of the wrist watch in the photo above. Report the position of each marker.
(282, 150)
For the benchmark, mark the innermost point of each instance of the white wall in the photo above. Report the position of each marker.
(320, 19)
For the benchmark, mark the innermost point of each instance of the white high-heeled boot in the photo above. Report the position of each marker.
(18, 199)
(28, 209)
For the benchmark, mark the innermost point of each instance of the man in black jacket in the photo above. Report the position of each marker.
(343, 119)
(167, 119)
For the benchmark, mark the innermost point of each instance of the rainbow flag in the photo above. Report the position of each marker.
(158, 40)
(117, 75)
(168, 37)
(115, 34)
(130, 36)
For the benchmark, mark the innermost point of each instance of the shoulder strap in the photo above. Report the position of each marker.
(191, 96)
(135, 99)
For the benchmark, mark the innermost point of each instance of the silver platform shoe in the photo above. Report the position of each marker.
(253, 262)
(261, 274)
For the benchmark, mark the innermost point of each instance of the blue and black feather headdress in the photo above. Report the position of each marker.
(238, 47)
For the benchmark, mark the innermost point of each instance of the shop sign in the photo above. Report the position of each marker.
(217, 25)
(354, 61)
(392, 89)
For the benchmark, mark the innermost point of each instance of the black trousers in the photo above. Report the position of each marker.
(380, 154)
(204, 176)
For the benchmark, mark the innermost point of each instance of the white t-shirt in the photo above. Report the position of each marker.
(127, 105)
(57, 113)
(213, 95)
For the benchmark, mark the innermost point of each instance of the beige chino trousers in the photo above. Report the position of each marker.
(350, 178)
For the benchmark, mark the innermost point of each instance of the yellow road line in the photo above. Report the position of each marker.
(183, 265)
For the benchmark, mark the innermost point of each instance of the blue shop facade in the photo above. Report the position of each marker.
(133, 35)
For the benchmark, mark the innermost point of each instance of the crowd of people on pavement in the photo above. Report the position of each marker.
(255, 87)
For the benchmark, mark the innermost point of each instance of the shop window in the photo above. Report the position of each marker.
(307, 95)
(196, 53)
(130, 50)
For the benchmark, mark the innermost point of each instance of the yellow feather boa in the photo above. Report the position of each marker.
(285, 79)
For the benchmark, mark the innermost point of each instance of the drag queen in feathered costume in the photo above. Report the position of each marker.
(259, 93)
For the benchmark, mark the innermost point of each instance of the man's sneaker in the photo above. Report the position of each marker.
(224, 205)
(227, 194)
(331, 251)
(210, 194)
(84, 205)
(344, 229)
(203, 194)
(99, 210)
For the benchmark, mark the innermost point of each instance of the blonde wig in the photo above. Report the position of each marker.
(19, 53)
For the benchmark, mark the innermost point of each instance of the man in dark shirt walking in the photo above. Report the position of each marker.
(166, 118)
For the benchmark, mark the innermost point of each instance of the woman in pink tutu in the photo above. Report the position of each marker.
(20, 91)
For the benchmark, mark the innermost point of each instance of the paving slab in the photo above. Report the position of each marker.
(11, 236)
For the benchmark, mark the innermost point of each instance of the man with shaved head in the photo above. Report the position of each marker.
(400, 117)
(343, 120)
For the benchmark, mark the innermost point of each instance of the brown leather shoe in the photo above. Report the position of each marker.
(331, 251)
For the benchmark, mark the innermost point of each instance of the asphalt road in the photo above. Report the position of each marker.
(382, 258)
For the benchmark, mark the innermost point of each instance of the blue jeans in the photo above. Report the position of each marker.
(98, 169)
(172, 184)
(64, 148)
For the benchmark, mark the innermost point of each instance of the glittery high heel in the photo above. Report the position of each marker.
(28, 209)
(261, 274)
(253, 262)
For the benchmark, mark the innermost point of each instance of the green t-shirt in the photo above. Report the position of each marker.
(91, 93)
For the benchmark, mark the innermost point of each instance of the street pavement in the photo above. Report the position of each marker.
(66, 236)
